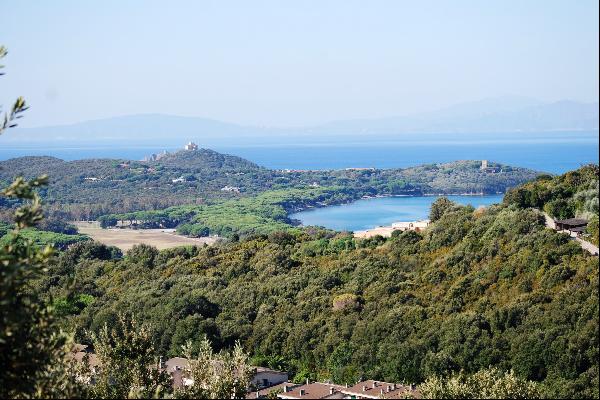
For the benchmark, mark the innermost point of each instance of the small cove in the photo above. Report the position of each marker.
(381, 211)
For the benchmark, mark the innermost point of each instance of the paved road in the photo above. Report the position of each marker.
(588, 246)
(593, 250)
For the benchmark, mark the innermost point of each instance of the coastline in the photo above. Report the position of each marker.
(389, 221)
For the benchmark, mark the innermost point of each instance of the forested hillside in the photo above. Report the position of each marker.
(479, 288)
(87, 189)
(574, 194)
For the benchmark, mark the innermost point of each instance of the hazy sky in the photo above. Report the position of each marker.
(291, 62)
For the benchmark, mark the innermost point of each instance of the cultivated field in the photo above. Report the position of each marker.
(125, 239)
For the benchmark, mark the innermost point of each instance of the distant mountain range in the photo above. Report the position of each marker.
(503, 114)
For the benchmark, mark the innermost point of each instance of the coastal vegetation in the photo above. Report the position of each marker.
(88, 189)
(574, 194)
(482, 303)
(479, 288)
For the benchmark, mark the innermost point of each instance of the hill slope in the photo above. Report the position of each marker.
(86, 189)
(478, 288)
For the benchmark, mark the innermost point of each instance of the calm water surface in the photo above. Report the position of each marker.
(381, 211)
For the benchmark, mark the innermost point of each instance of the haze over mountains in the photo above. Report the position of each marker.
(494, 115)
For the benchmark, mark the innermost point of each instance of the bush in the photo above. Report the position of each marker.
(486, 384)
(142, 254)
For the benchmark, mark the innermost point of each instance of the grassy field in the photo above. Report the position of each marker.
(127, 238)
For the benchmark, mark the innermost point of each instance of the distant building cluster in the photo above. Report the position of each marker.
(368, 389)
(360, 169)
(269, 383)
(232, 189)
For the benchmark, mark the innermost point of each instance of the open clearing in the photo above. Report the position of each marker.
(125, 239)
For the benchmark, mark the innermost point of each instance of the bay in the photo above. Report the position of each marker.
(381, 211)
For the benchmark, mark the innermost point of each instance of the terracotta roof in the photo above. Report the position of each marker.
(376, 390)
(316, 390)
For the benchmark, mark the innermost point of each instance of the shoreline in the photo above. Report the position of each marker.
(387, 229)
(318, 205)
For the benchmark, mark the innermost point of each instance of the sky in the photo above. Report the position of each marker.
(291, 63)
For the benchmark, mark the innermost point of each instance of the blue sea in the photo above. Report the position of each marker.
(554, 152)
(381, 211)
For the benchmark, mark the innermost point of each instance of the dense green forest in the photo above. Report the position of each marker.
(87, 189)
(479, 288)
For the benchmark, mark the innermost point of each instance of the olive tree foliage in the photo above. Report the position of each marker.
(32, 350)
(224, 375)
(128, 366)
(490, 383)
(18, 108)
(440, 207)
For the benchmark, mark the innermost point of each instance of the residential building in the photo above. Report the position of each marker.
(233, 189)
(411, 226)
(266, 377)
(371, 389)
(575, 226)
(315, 390)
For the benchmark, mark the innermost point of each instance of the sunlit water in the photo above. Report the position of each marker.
(381, 211)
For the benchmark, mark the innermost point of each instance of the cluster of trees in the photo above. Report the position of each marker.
(265, 213)
(479, 288)
(574, 194)
(37, 357)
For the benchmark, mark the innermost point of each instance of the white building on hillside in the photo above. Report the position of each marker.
(411, 226)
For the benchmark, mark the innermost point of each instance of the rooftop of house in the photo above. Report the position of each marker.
(176, 364)
(315, 390)
(377, 390)
(572, 221)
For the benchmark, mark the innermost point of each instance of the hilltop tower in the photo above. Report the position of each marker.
(191, 146)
